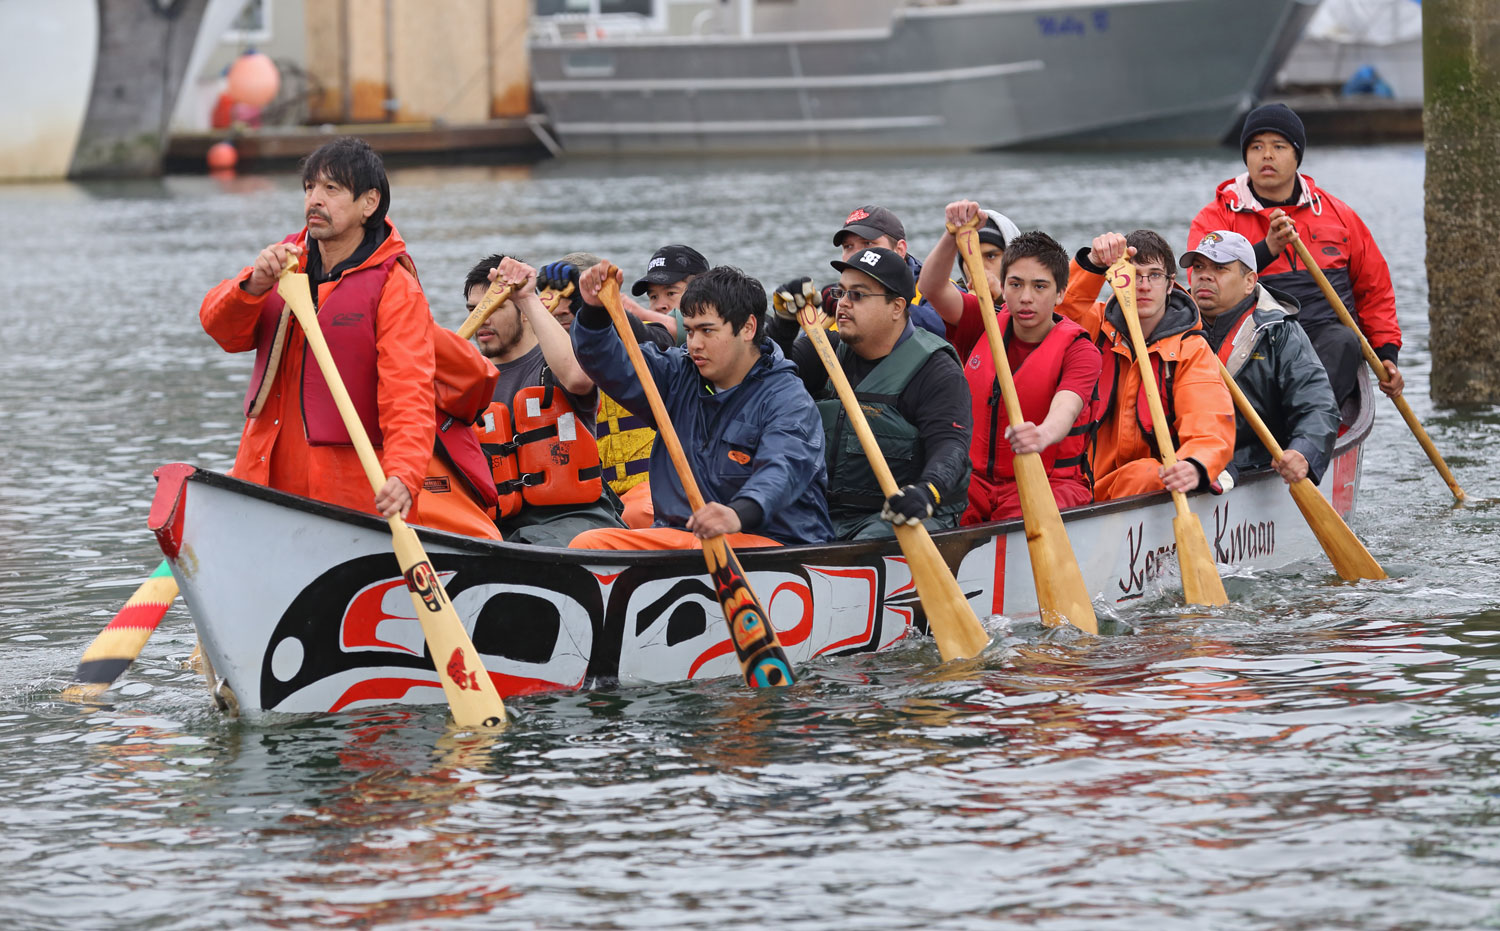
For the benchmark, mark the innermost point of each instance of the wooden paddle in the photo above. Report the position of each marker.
(1060, 592)
(122, 639)
(761, 658)
(499, 292)
(1349, 557)
(950, 618)
(1201, 584)
(471, 693)
(1378, 368)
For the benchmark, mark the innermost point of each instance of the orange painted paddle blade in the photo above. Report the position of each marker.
(760, 654)
(1201, 584)
(1349, 557)
(122, 639)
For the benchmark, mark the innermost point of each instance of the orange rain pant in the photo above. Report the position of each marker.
(1136, 477)
(639, 511)
(658, 538)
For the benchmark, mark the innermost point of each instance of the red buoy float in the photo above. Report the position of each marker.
(222, 156)
(253, 80)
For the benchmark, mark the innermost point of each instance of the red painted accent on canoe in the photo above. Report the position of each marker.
(394, 688)
(363, 617)
(803, 630)
(165, 519)
(997, 587)
(1345, 471)
(868, 575)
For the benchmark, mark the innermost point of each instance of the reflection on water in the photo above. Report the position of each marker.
(1317, 755)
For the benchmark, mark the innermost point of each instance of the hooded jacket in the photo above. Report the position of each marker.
(1335, 236)
(1193, 395)
(1276, 367)
(405, 395)
(760, 441)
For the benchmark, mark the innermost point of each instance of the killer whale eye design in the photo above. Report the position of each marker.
(352, 635)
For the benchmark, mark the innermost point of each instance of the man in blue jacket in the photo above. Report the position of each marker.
(751, 433)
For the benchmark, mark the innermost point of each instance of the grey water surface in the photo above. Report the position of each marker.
(1316, 756)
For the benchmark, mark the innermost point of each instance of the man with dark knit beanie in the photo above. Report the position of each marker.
(1270, 200)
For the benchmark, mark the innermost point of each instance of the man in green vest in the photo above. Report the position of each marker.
(912, 391)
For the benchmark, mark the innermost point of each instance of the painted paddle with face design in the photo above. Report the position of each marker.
(471, 693)
(1201, 584)
(1060, 592)
(762, 660)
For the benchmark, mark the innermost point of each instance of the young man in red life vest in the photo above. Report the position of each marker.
(1199, 410)
(1054, 364)
(1271, 199)
(378, 326)
(1254, 331)
(539, 431)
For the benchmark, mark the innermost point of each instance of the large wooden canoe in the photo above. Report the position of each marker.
(300, 608)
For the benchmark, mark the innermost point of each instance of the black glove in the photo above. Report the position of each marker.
(557, 276)
(911, 505)
(793, 296)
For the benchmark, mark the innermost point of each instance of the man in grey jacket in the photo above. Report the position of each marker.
(1253, 330)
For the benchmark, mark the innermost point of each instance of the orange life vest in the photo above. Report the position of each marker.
(539, 453)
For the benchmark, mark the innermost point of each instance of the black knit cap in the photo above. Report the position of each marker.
(1274, 118)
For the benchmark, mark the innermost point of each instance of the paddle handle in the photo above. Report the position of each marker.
(808, 318)
(1247, 410)
(609, 295)
(551, 297)
(1122, 280)
(967, 238)
(1378, 367)
(499, 292)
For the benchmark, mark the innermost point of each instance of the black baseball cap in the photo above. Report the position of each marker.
(886, 267)
(669, 265)
(871, 222)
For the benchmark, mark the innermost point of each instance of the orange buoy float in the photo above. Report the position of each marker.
(222, 156)
(253, 79)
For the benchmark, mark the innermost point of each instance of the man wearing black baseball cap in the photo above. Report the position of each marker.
(667, 275)
(1253, 329)
(1268, 205)
(912, 390)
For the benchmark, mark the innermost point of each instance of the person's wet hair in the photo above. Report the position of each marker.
(351, 163)
(1037, 245)
(735, 295)
(1150, 247)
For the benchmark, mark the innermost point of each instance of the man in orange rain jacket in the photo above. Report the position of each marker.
(380, 331)
(1197, 405)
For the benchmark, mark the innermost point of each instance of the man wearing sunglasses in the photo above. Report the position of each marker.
(912, 392)
(1199, 410)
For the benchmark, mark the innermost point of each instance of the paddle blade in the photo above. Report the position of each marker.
(122, 639)
(761, 658)
(1349, 557)
(1201, 584)
(1060, 591)
(470, 691)
(950, 618)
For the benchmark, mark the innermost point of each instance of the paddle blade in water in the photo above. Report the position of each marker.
(760, 654)
(950, 618)
(122, 639)
(1349, 557)
(1201, 584)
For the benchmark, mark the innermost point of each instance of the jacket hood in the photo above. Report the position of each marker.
(391, 245)
(1274, 304)
(1237, 195)
(1180, 316)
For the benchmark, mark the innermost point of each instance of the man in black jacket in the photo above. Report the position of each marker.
(1253, 329)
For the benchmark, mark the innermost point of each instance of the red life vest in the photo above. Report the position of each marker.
(1108, 379)
(539, 454)
(1036, 381)
(347, 319)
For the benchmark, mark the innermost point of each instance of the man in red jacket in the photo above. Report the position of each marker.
(1265, 205)
(378, 326)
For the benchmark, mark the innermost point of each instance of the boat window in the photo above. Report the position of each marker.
(595, 8)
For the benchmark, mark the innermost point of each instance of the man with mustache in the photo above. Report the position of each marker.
(375, 318)
(1254, 331)
(913, 394)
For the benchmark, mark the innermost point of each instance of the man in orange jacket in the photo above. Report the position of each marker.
(378, 326)
(1197, 405)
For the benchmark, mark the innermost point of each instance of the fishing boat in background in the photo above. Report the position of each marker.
(300, 607)
(688, 76)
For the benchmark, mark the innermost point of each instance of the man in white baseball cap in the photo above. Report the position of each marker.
(1253, 330)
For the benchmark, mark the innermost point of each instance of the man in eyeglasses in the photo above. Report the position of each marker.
(1199, 410)
(1053, 362)
(913, 395)
(1254, 331)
